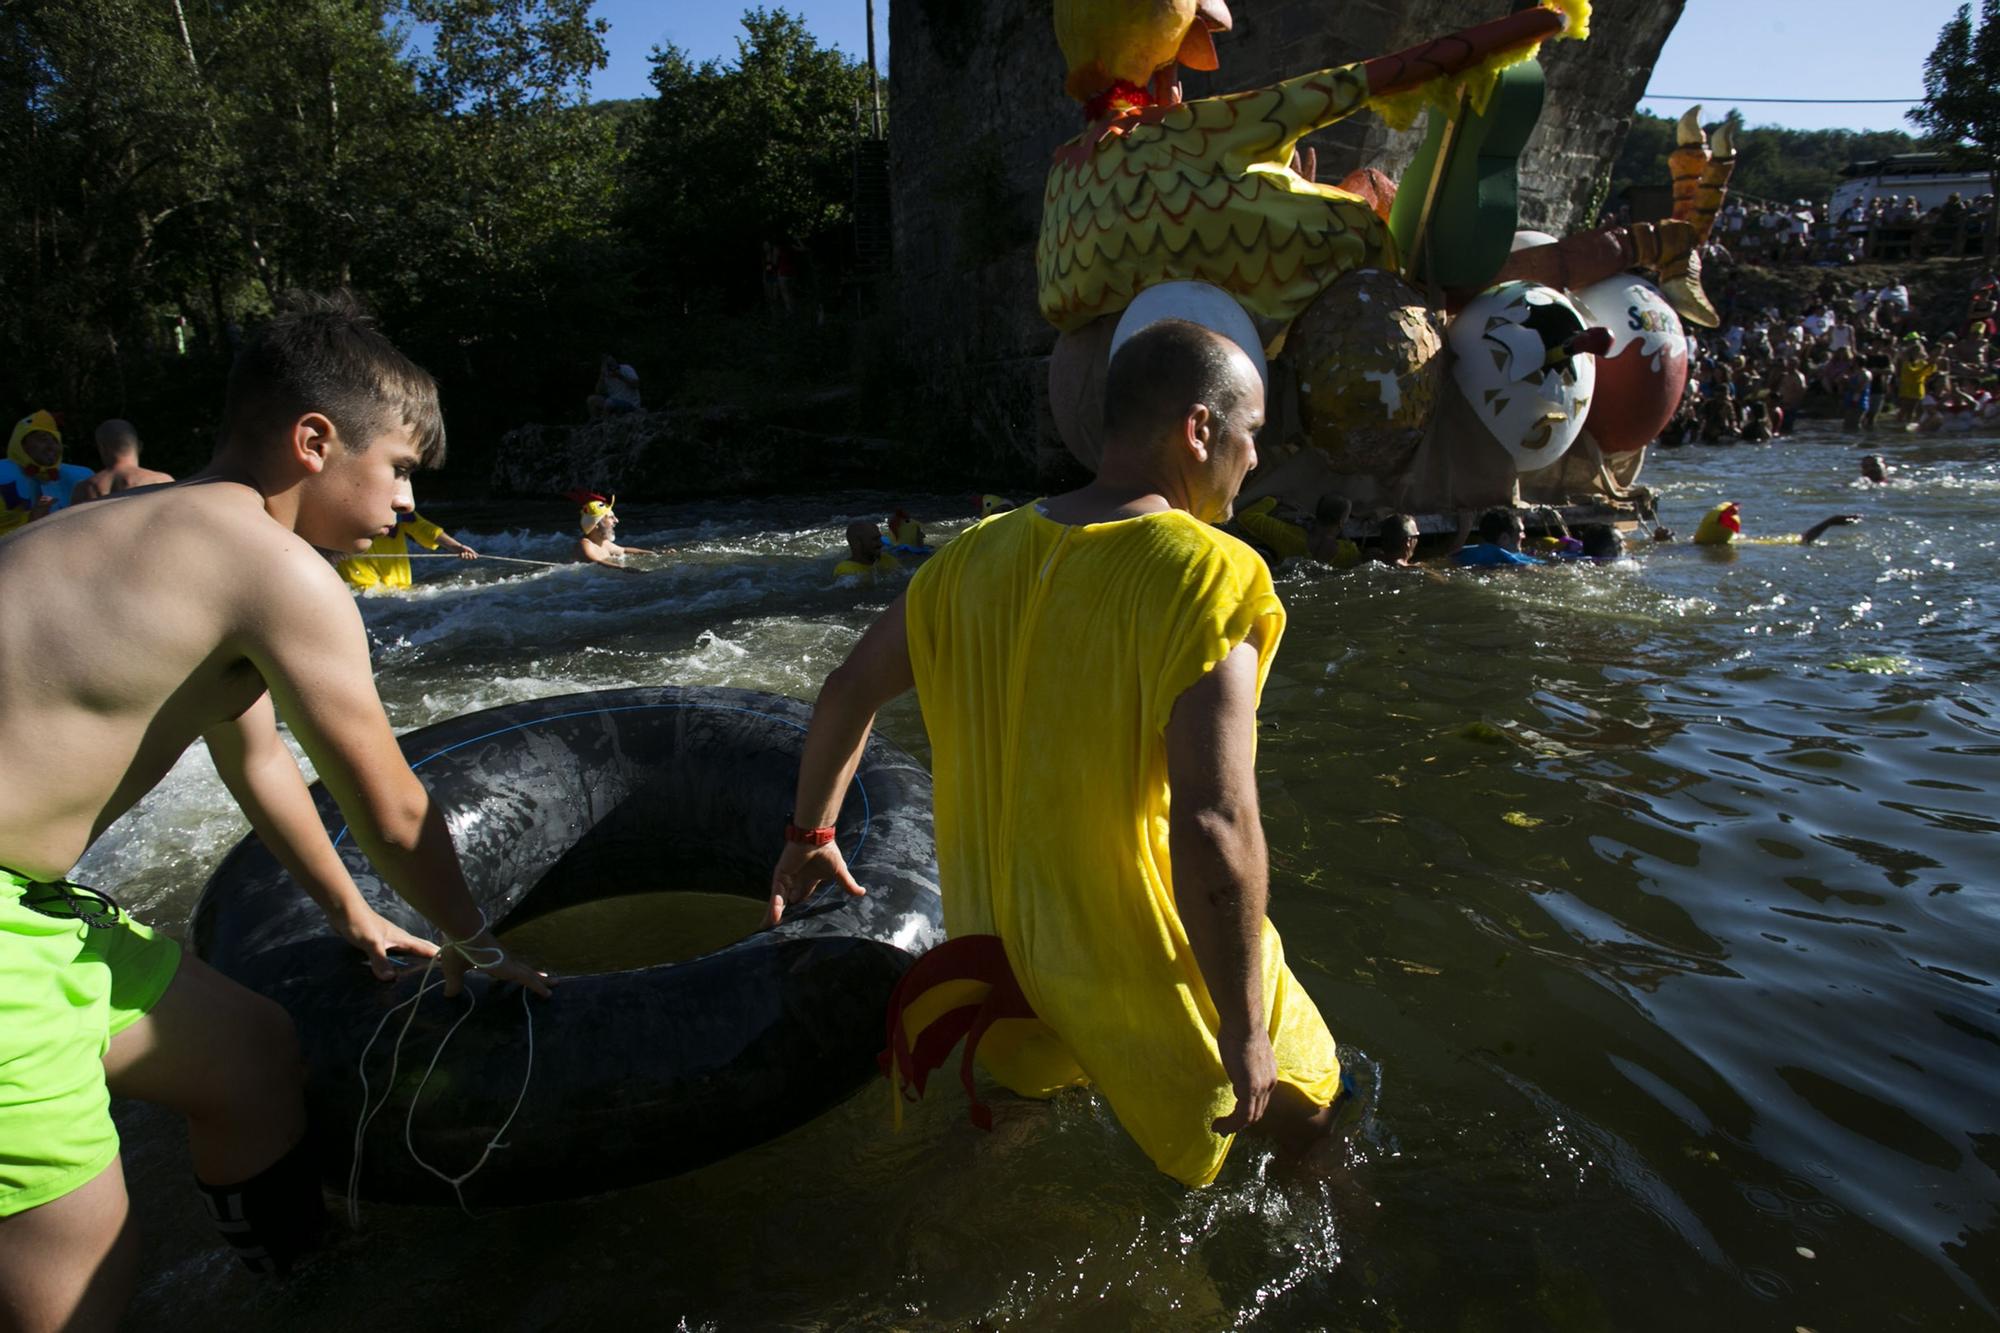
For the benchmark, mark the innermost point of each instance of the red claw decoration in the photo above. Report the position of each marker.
(1593, 341)
(1446, 56)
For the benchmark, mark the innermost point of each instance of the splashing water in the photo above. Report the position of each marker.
(1657, 913)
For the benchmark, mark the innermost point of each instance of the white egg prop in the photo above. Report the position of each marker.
(1500, 345)
(1199, 303)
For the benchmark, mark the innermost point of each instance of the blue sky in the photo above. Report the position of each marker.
(1742, 48)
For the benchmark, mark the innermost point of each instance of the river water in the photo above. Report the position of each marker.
(1654, 903)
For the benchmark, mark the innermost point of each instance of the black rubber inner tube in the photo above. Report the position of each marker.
(640, 1074)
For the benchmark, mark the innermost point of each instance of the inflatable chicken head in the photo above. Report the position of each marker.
(1127, 50)
(1514, 363)
(1640, 380)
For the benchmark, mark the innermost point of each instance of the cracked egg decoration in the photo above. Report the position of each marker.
(1510, 363)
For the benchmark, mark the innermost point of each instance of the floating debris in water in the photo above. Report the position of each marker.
(1873, 666)
(1521, 819)
(1485, 733)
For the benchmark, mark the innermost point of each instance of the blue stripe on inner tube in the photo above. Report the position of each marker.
(867, 811)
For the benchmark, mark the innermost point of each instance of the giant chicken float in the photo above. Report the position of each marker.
(1421, 353)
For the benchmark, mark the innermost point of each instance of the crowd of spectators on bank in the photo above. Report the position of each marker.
(1847, 354)
(1886, 229)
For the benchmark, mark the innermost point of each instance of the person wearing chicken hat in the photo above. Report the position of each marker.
(1722, 525)
(597, 524)
(34, 480)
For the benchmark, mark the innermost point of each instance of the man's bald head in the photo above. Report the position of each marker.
(1166, 369)
(117, 439)
(864, 539)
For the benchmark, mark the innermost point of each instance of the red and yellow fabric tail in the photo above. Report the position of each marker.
(954, 993)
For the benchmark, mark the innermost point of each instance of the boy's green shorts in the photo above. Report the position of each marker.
(73, 975)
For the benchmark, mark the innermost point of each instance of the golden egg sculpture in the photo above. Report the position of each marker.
(1368, 356)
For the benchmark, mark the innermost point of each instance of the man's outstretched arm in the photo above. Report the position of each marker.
(1817, 530)
(874, 673)
(1221, 868)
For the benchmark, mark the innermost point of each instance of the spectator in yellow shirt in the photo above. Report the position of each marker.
(1913, 373)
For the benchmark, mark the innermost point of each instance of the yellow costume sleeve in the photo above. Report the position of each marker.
(422, 531)
(1283, 539)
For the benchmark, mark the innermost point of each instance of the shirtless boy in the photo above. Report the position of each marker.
(118, 448)
(324, 423)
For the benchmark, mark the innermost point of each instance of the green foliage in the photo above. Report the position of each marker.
(198, 160)
(734, 155)
(1961, 106)
(176, 160)
(1771, 163)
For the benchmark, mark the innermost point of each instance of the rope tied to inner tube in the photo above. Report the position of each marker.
(451, 555)
(476, 959)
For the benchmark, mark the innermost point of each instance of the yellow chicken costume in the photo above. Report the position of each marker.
(1159, 190)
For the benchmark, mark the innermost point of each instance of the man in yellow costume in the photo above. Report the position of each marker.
(1077, 660)
(386, 564)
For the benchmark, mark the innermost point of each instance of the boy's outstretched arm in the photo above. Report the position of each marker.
(305, 638)
(261, 774)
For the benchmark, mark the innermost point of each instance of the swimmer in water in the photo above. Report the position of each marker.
(1501, 533)
(906, 532)
(865, 557)
(1874, 469)
(1601, 543)
(1723, 525)
(1279, 533)
(597, 545)
(118, 446)
(1396, 542)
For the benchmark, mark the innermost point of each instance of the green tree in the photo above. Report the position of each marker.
(1961, 106)
(107, 144)
(176, 160)
(733, 155)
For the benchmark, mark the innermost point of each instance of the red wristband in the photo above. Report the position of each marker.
(808, 837)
